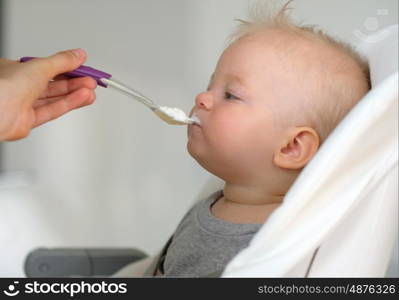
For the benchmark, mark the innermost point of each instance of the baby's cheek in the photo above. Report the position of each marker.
(234, 130)
(229, 137)
(251, 140)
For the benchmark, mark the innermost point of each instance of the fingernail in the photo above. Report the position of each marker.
(80, 53)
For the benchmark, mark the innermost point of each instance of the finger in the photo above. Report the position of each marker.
(60, 77)
(5, 62)
(59, 63)
(66, 86)
(58, 106)
(47, 101)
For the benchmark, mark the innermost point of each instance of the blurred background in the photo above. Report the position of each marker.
(113, 174)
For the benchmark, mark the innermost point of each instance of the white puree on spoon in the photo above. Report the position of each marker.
(178, 115)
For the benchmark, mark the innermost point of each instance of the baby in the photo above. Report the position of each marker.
(277, 92)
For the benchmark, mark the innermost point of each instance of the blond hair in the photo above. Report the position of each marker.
(343, 93)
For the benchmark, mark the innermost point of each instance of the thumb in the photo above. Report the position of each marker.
(61, 62)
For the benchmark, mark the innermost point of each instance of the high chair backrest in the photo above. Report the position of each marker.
(340, 217)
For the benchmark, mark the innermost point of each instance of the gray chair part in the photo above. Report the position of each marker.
(79, 262)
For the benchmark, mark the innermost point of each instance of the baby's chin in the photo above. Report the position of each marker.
(197, 152)
(192, 149)
(203, 158)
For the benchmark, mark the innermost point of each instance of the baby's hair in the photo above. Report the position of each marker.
(266, 15)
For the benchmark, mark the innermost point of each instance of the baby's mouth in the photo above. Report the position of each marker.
(196, 119)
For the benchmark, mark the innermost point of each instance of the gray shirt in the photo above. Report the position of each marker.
(203, 244)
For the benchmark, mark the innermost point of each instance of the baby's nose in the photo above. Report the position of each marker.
(204, 101)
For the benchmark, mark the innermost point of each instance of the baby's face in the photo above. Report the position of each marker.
(239, 127)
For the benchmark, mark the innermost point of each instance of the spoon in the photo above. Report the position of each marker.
(172, 116)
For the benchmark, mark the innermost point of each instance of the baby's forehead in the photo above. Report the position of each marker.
(252, 51)
(270, 54)
(284, 51)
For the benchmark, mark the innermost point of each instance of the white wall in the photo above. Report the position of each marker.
(113, 174)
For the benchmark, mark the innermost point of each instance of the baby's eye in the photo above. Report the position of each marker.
(230, 96)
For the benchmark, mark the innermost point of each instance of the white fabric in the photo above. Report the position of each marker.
(346, 199)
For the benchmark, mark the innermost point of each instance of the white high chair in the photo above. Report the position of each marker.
(340, 218)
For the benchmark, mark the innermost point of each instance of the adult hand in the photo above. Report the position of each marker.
(31, 93)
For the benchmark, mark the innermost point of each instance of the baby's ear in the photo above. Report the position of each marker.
(299, 146)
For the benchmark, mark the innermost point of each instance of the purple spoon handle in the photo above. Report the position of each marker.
(82, 71)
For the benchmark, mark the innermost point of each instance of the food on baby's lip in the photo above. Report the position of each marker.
(174, 115)
(196, 119)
